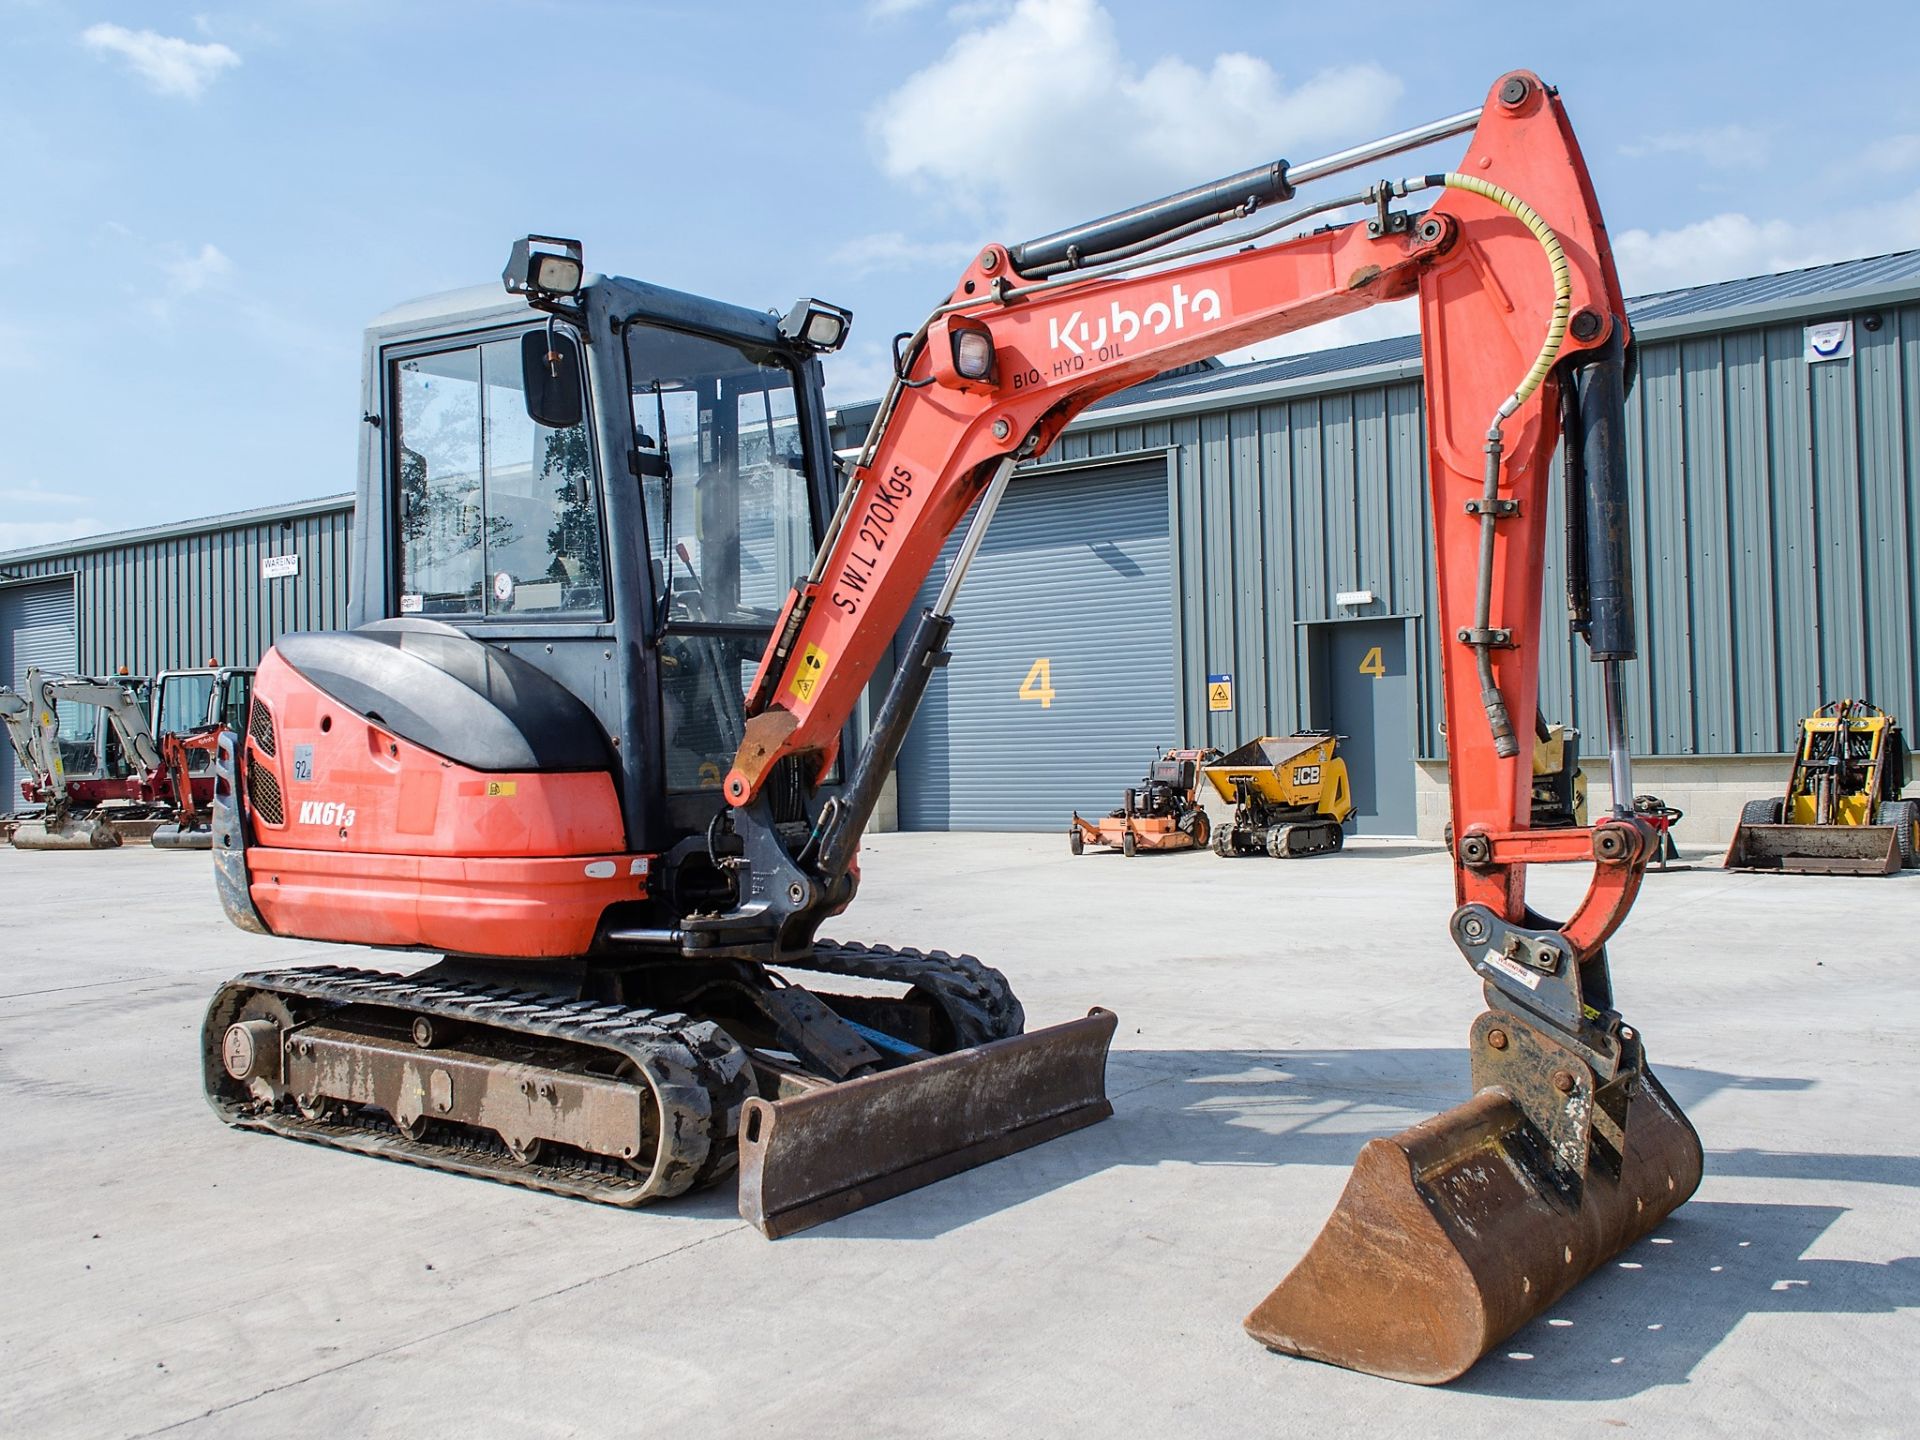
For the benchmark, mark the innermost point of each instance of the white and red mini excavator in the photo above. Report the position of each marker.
(589, 740)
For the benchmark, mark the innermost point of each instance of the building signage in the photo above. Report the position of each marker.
(1831, 341)
(278, 567)
(1220, 692)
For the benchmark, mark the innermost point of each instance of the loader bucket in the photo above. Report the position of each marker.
(840, 1148)
(65, 835)
(1816, 849)
(1452, 1235)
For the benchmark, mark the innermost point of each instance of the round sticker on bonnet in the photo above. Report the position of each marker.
(503, 587)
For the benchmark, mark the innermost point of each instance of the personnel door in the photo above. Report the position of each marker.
(1370, 697)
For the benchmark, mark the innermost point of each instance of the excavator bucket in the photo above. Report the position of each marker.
(830, 1151)
(1452, 1235)
(1816, 849)
(77, 834)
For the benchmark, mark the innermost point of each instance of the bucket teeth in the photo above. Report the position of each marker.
(1453, 1234)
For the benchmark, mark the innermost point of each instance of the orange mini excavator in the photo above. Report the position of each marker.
(589, 738)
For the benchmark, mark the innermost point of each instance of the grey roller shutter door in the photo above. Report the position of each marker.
(1075, 572)
(36, 630)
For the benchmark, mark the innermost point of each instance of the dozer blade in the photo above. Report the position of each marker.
(1452, 1235)
(66, 835)
(1816, 849)
(840, 1148)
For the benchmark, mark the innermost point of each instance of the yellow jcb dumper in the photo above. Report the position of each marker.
(1842, 813)
(1290, 796)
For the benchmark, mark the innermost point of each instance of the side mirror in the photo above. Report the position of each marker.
(550, 375)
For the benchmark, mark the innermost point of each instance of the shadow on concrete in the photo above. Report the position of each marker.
(1643, 1320)
(1649, 1317)
(1400, 850)
(1275, 1107)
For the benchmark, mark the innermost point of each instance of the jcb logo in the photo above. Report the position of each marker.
(325, 812)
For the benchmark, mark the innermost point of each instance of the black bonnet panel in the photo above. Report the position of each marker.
(437, 687)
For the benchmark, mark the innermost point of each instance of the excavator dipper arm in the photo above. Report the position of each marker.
(1570, 1150)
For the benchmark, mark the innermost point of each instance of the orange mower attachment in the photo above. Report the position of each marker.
(1162, 813)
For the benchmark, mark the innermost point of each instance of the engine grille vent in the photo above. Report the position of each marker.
(260, 725)
(264, 792)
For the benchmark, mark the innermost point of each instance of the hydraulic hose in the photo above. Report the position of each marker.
(1504, 742)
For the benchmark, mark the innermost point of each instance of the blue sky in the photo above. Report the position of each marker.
(203, 207)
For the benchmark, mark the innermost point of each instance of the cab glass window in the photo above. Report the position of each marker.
(498, 515)
(184, 702)
(729, 526)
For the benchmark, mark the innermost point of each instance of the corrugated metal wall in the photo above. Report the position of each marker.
(1777, 526)
(168, 600)
(1075, 572)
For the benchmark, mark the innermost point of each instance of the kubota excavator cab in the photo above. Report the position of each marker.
(582, 503)
(189, 707)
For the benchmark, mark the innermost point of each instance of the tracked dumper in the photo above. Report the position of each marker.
(1289, 794)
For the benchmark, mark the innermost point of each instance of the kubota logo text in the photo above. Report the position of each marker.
(325, 812)
(1079, 335)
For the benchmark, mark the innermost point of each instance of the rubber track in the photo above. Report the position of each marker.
(699, 1074)
(978, 1002)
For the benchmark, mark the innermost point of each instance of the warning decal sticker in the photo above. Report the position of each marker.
(812, 664)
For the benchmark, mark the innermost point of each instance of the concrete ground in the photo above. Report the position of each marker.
(165, 1275)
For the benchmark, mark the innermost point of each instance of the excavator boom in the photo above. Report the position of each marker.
(1459, 1231)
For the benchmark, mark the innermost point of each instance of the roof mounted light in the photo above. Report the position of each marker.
(549, 273)
(817, 325)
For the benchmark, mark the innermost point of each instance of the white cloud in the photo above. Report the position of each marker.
(23, 534)
(1038, 119)
(889, 9)
(1724, 147)
(196, 272)
(187, 276)
(1733, 245)
(858, 373)
(972, 12)
(169, 65)
(891, 250)
(34, 495)
(1894, 153)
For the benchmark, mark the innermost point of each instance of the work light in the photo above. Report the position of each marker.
(543, 272)
(973, 353)
(817, 325)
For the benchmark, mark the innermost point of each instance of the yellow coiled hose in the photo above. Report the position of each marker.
(1504, 742)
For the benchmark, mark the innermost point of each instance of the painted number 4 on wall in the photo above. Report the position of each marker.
(1372, 664)
(1039, 683)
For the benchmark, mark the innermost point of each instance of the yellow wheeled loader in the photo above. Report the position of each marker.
(1290, 796)
(1842, 813)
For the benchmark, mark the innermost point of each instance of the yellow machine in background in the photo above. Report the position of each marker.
(1842, 813)
(1289, 792)
(1559, 784)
